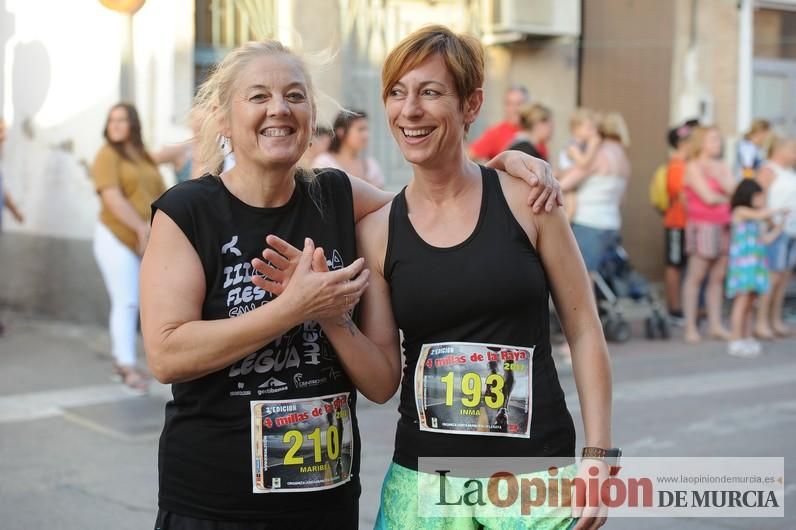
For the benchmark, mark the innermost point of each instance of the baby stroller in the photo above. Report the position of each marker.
(614, 280)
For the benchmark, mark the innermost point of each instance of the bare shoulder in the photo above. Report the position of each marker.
(516, 192)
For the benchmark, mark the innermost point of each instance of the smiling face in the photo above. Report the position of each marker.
(271, 115)
(427, 117)
(118, 126)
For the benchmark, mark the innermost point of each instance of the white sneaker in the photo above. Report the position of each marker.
(737, 348)
(745, 348)
(754, 347)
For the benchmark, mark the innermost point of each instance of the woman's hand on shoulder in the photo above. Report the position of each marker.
(545, 193)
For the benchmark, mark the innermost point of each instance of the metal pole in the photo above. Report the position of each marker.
(745, 67)
(127, 71)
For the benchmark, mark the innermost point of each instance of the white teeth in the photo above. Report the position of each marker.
(416, 132)
(276, 131)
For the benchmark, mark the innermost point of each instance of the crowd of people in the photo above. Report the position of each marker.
(728, 233)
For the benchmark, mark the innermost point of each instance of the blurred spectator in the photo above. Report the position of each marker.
(750, 152)
(708, 186)
(348, 146)
(579, 151)
(497, 138)
(5, 198)
(321, 140)
(536, 123)
(127, 180)
(674, 218)
(600, 189)
(778, 178)
(747, 275)
(181, 155)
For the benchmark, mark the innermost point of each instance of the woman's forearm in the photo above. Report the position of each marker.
(592, 370)
(185, 351)
(122, 209)
(376, 374)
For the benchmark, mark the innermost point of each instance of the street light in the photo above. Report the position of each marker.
(128, 7)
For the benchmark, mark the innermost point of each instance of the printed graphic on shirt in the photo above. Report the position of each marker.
(301, 444)
(476, 389)
(301, 358)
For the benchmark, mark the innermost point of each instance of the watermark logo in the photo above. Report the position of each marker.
(645, 487)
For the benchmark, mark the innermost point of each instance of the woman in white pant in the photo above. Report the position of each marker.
(778, 178)
(127, 181)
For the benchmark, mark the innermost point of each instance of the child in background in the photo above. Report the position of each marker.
(747, 275)
(674, 219)
(580, 150)
(751, 151)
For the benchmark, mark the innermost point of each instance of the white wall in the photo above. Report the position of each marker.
(60, 64)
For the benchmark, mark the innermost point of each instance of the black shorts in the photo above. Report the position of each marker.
(675, 247)
(309, 520)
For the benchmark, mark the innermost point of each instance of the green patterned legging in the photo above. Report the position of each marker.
(409, 497)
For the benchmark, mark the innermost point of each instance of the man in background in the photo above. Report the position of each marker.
(497, 138)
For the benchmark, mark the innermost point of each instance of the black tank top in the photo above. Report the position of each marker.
(489, 289)
(205, 454)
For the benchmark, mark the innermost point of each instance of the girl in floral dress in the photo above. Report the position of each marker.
(748, 265)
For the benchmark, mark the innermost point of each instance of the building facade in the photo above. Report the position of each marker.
(656, 62)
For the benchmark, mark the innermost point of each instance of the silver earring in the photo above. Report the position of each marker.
(224, 143)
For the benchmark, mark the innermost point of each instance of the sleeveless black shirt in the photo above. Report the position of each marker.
(491, 288)
(205, 456)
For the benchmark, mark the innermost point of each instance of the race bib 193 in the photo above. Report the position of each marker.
(301, 444)
(471, 388)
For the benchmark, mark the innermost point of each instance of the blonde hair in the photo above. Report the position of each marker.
(212, 104)
(758, 125)
(530, 115)
(612, 126)
(580, 116)
(697, 140)
(463, 56)
(778, 142)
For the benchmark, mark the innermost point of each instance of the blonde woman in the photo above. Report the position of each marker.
(778, 179)
(708, 187)
(600, 188)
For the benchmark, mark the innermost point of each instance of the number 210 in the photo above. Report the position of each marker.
(332, 444)
(471, 384)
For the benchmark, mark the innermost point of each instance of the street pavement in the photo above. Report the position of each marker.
(78, 452)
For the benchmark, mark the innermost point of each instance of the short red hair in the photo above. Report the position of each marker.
(463, 56)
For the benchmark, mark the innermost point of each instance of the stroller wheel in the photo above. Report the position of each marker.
(664, 331)
(617, 330)
(656, 327)
(650, 328)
